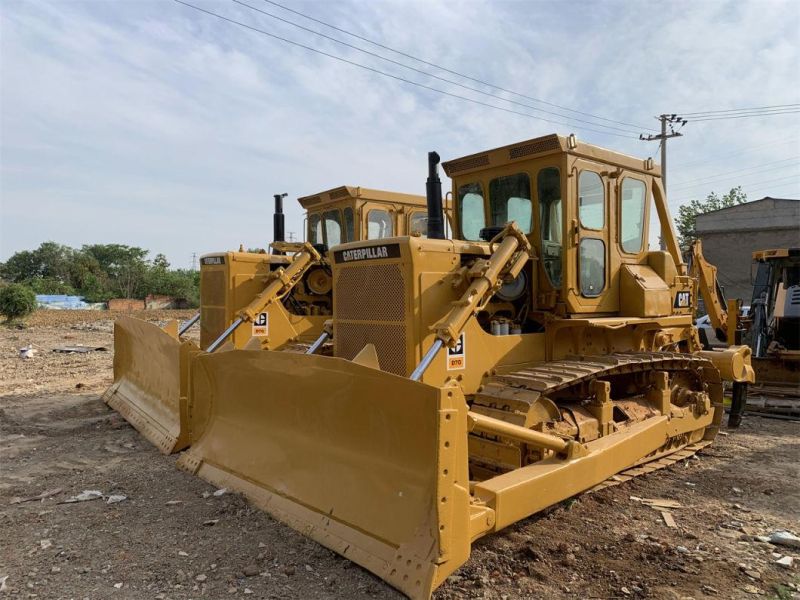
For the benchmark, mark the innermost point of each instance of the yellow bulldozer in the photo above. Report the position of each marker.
(476, 380)
(249, 300)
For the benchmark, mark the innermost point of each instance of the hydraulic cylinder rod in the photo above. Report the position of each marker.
(218, 342)
(427, 359)
(318, 343)
(327, 333)
(188, 324)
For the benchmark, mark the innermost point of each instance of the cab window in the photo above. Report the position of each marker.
(349, 225)
(631, 210)
(593, 267)
(470, 210)
(548, 188)
(315, 229)
(333, 228)
(591, 200)
(418, 224)
(379, 224)
(510, 200)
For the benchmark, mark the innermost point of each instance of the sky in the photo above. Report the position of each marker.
(148, 123)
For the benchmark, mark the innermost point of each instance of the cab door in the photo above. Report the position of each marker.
(590, 284)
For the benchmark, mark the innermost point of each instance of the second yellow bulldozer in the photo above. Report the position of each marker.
(476, 380)
(249, 299)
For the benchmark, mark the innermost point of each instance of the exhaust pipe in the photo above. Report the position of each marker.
(278, 222)
(433, 188)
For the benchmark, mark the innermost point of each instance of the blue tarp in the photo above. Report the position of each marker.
(64, 302)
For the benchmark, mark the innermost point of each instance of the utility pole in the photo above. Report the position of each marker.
(670, 120)
(194, 261)
(291, 236)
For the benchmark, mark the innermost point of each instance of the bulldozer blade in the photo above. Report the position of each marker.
(367, 463)
(151, 369)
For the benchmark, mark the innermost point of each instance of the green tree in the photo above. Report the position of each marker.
(687, 213)
(16, 301)
(49, 261)
(48, 285)
(125, 267)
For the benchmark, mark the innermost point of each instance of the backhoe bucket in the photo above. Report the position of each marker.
(369, 464)
(151, 369)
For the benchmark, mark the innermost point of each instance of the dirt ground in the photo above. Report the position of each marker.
(171, 537)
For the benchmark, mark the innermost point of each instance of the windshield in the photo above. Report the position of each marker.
(333, 228)
(379, 224)
(510, 200)
(470, 208)
(315, 229)
(325, 228)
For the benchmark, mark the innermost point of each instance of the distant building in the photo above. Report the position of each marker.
(731, 235)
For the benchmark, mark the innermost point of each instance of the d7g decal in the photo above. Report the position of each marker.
(261, 324)
(457, 355)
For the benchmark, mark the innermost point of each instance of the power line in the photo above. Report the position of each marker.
(452, 72)
(772, 187)
(692, 163)
(745, 116)
(392, 76)
(736, 110)
(742, 184)
(723, 180)
(425, 73)
(739, 171)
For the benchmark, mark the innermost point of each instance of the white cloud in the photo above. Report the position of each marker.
(150, 124)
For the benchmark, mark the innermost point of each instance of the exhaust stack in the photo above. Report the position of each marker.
(278, 223)
(433, 188)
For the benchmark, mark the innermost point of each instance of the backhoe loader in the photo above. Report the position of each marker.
(476, 380)
(249, 299)
(771, 328)
(775, 331)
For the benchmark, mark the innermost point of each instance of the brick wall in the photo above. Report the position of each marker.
(125, 304)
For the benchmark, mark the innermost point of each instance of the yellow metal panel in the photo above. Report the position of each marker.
(643, 293)
(150, 381)
(367, 463)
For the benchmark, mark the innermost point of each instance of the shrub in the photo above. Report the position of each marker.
(16, 301)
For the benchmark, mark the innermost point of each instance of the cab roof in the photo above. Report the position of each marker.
(359, 193)
(544, 146)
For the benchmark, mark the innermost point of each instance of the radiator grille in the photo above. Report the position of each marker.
(370, 308)
(212, 304)
(212, 287)
(371, 293)
(389, 340)
(212, 324)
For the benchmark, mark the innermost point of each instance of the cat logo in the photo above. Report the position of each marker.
(261, 324)
(457, 356)
(683, 300)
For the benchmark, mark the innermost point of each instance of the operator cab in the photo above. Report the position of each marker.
(349, 214)
(586, 211)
